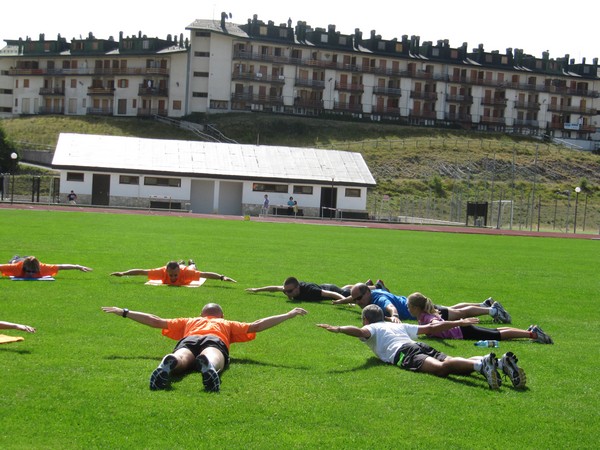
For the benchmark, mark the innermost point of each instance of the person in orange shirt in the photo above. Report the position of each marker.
(203, 341)
(175, 273)
(31, 267)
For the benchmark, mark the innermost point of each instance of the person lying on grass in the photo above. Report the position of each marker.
(175, 273)
(394, 343)
(425, 311)
(16, 326)
(31, 267)
(313, 292)
(395, 307)
(203, 341)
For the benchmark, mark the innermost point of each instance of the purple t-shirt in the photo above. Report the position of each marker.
(452, 333)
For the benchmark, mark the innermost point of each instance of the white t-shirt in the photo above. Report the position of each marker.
(387, 337)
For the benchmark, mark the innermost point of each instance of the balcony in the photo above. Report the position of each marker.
(494, 101)
(458, 117)
(101, 91)
(526, 123)
(52, 91)
(386, 110)
(572, 110)
(252, 76)
(257, 98)
(244, 55)
(145, 91)
(432, 115)
(451, 98)
(349, 87)
(424, 95)
(493, 120)
(314, 84)
(390, 92)
(348, 107)
(92, 71)
(534, 106)
(308, 103)
(58, 110)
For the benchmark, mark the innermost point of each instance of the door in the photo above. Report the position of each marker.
(328, 201)
(100, 189)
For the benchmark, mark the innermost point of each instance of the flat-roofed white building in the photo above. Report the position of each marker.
(213, 178)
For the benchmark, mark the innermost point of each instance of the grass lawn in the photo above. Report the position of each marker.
(82, 380)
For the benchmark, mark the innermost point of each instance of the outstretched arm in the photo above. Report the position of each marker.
(266, 289)
(343, 301)
(332, 295)
(147, 319)
(16, 326)
(349, 330)
(216, 276)
(131, 272)
(269, 322)
(73, 267)
(439, 326)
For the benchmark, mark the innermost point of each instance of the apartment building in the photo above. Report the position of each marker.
(258, 66)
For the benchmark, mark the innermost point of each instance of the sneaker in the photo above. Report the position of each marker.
(487, 303)
(369, 282)
(542, 337)
(512, 370)
(380, 285)
(501, 316)
(489, 369)
(191, 262)
(160, 377)
(181, 262)
(530, 327)
(210, 377)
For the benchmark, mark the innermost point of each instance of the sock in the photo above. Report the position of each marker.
(477, 366)
(492, 312)
(532, 335)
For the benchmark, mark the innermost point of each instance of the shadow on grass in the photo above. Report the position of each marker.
(113, 357)
(15, 350)
(371, 362)
(247, 361)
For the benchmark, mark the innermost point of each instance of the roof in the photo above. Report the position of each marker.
(210, 160)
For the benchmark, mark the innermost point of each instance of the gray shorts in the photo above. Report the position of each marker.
(196, 344)
(412, 356)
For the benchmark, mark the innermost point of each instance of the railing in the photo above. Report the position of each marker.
(527, 105)
(392, 92)
(422, 95)
(308, 103)
(52, 91)
(352, 87)
(101, 91)
(572, 109)
(252, 76)
(459, 98)
(92, 71)
(257, 98)
(100, 111)
(316, 84)
(458, 117)
(493, 101)
(386, 110)
(145, 112)
(345, 106)
(51, 110)
(153, 91)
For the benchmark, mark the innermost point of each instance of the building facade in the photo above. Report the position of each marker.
(257, 66)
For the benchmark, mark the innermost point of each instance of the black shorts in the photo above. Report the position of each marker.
(196, 344)
(336, 289)
(411, 356)
(443, 311)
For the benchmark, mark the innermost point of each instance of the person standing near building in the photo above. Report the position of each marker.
(265, 206)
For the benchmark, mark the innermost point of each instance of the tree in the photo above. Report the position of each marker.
(6, 148)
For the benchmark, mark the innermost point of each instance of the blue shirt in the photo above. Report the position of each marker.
(383, 298)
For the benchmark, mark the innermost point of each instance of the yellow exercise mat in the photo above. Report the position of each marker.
(193, 284)
(4, 339)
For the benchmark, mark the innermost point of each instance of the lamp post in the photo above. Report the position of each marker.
(14, 157)
(577, 191)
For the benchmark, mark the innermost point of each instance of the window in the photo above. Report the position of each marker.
(157, 181)
(264, 187)
(303, 190)
(74, 176)
(177, 105)
(202, 54)
(134, 103)
(352, 192)
(146, 45)
(200, 94)
(123, 83)
(129, 179)
(73, 83)
(201, 74)
(26, 83)
(202, 34)
(219, 104)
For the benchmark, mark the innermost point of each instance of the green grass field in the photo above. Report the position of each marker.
(82, 380)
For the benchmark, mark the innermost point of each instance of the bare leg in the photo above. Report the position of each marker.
(215, 357)
(457, 366)
(464, 305)
(513, 333)
(469, 311)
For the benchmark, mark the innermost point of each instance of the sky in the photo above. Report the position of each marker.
(534, 26)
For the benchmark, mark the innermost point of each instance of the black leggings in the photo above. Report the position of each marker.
(475, 333)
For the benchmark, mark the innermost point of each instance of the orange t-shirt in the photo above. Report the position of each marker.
(186, 276)
(16, 270)
(228, 331)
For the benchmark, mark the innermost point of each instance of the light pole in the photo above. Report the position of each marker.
(14, 157)
(577, 191)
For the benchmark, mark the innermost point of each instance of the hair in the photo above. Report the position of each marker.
(212, 309)
(172, 265)
(291, 280)
(31, 264)
(372, 313)
(362, 288)
(425, 304)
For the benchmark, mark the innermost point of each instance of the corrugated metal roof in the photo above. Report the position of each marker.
(116, 153)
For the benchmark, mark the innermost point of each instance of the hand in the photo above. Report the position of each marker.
(329, 327)
(113, 310)
(229, 279)
(468, 321)
(250, 289)
(298, 312)
(395, 319)
(117, 274)
(25, 328)
(85, 269)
